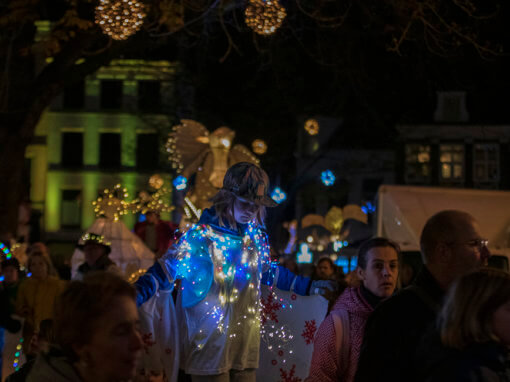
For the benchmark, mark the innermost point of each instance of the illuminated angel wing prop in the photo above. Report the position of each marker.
(186, 142)
(241, 153)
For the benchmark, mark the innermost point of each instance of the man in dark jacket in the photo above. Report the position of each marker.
(96, 250)
(451, 246)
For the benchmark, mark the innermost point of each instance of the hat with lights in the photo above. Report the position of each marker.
(93, 238)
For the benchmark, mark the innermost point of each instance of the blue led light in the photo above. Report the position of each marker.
(328, 178)
(368, 208)
(180, 183)
(278, 195)
(304, 256)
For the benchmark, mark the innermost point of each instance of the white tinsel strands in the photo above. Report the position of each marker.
(120, 18)
(264, 16)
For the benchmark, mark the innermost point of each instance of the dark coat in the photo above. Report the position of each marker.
(488, 362)
(6, 320)
(393, 332)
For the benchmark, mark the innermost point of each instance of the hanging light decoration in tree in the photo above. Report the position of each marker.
(119, 18)
(264, 16)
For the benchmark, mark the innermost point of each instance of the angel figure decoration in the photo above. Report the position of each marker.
(193, 150)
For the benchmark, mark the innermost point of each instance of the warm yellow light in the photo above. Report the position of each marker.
(264, 16)
(120, 18)
(312, 126)
(156, 181)
(259, 146)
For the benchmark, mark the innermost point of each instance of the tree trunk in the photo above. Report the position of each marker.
(12, 160)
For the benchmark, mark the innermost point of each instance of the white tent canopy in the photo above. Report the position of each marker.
(403, 210)
(128, 250)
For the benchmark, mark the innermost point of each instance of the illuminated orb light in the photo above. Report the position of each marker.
(328, 178)
(156, 181)
(278, 195)
(264, 16)
(312, 126)
(304, 256)
(180, 183)
(259, 146)
(119, 19)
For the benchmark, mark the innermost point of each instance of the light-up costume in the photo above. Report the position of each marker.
(218, 304)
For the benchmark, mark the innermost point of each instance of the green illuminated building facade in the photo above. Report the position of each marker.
(106, 130)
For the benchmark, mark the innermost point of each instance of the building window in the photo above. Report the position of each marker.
(72, 149)
(451, 157)
(417, 163)
(486, 163)
(109, 150)
(71, 209)
(111, 94)
(147, 151)
(149, 95)
(74, 96)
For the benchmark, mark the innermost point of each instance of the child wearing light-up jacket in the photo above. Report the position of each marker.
(222, 261)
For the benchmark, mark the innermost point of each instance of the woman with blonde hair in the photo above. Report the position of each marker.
(38, 293)
(472, 341)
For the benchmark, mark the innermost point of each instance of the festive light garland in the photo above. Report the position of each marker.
(7, 253)
(95, 238)
(17, 355)
(119, 18)
(264, 16)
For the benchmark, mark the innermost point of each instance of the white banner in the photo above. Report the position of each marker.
(288, 328)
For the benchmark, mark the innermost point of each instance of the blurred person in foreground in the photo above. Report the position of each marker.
(338, 341)
(37, 295)
(471, 341)
(451, 246)
(97, 336)
(39, 343)
(10, 325)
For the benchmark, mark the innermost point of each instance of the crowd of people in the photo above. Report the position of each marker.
(452, 323)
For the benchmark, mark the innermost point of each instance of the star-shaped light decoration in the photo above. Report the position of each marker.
(112, 203)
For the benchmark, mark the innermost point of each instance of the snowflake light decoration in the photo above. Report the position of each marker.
(328, 178)
(264, 16)
(278, 195)
(120, 18)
